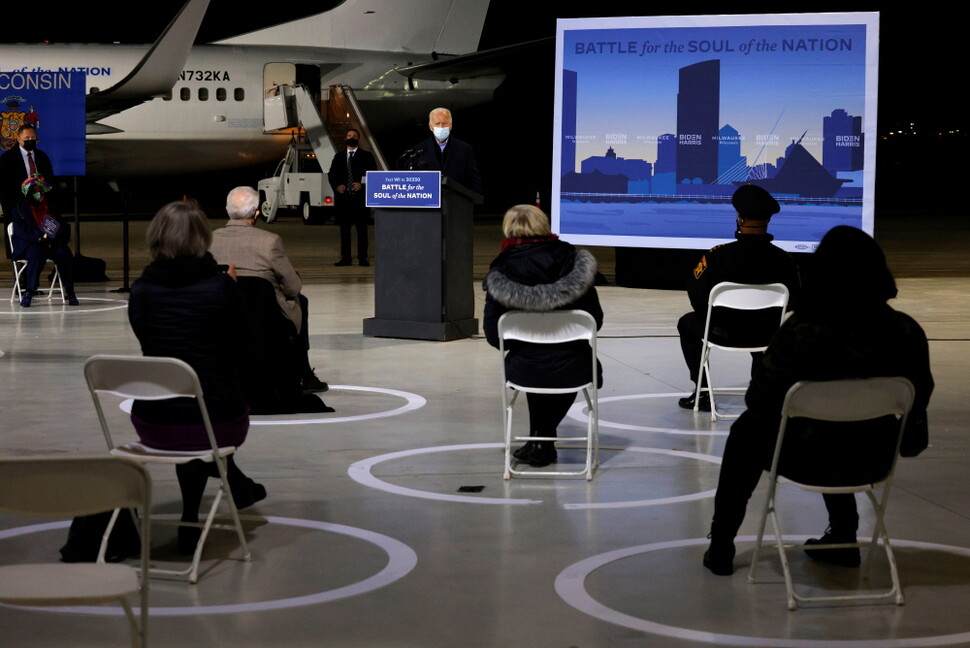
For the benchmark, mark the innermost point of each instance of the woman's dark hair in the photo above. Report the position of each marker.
(848, 271)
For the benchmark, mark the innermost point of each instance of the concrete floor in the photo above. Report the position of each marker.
(368, 538)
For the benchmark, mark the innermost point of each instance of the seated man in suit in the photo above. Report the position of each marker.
(258, 253)
(21, 161)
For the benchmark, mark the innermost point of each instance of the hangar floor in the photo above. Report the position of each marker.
(368, 538)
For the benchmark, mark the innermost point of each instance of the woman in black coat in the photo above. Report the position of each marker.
(185, 306)
(841, 328)
(537, 272)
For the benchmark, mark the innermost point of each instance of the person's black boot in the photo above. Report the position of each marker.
(719, 557)
(543, 454)
(843, 557)
(524, 454)
(688, 402)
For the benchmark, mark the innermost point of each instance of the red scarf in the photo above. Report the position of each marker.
(525, 240)
(39, 211)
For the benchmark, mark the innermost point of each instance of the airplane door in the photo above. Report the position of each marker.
(279, 74)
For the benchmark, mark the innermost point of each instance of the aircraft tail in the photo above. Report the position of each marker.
(420, 26)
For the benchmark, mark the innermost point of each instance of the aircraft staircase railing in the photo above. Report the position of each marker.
(342, 113)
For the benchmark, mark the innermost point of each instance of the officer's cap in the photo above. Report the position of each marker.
(751, 201)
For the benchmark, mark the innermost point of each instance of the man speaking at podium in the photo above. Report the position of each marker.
(442, 152)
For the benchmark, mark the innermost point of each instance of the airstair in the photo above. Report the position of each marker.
(300, 181)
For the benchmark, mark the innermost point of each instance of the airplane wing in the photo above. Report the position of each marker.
(493, 62)
(157, 71)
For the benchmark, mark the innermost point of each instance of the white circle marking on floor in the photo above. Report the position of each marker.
(38, 306)
(413, 402)
(401, 560)
(578, 412)
(361, 473)
(570, 586)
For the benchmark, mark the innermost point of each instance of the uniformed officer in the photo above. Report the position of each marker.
(751, 259)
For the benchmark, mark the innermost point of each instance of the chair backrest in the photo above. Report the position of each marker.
(739, 296)
(751, 324)
(72, 486)
(853, 445)
(273, 352)
(854, 399)
(548, 327)
(141, 377)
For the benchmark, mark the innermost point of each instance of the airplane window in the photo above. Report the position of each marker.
(220, 94)
(167, 96)
(203, 94)
(240, 94)
(185, 94)
(93, 90)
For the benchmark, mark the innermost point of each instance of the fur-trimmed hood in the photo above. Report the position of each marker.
(510, 291)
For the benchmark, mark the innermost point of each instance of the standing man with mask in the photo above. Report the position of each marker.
(16, 165)
(443, 152)
(347, 175)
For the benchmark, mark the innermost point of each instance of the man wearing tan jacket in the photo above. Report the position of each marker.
(258, 253)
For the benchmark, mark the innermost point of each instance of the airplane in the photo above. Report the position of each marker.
(175, 107)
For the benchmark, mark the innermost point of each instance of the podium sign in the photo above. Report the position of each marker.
(403, 189)
(423, 287)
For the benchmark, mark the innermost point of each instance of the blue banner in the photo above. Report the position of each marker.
(52, 102)
(411, 189)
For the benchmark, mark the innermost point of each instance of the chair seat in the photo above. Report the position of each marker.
(724, 347)
(141, 452)
(832, 490)
(52, 584)
(548, 390)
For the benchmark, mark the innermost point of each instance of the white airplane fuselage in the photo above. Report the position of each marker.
(213, 119)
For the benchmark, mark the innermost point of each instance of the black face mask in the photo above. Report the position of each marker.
(353, 142)
(30, 145)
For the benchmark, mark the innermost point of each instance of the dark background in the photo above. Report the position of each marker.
(921, 55)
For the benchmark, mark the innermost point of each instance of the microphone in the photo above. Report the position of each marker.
(409, 156)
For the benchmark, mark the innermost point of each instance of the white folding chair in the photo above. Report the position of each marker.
(746, 297)
(72, 486)
(153, 378)
(19, 265)
(552, 327)
(852, 400)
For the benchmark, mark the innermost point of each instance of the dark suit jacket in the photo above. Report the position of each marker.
(457, 161)
(362, 162)
(13, 172)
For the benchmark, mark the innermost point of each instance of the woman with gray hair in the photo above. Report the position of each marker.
(186, 306)
(537, 272)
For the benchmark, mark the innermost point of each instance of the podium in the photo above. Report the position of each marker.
(423, 277)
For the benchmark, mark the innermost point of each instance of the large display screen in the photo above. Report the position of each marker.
(659, 119)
